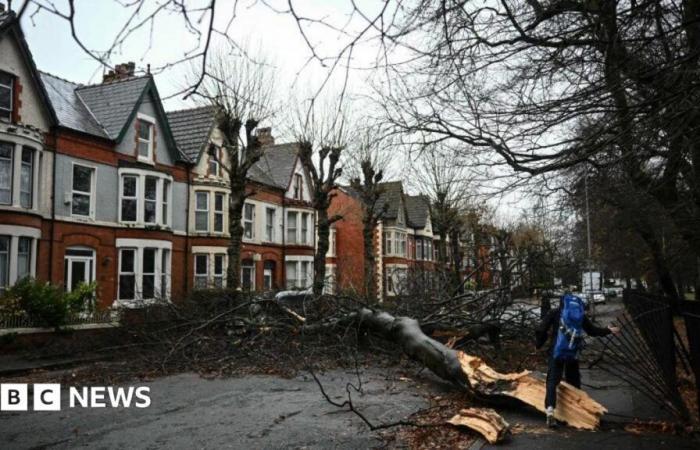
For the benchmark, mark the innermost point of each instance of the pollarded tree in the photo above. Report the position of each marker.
(322, 136)
(369, 160)
(242, 92)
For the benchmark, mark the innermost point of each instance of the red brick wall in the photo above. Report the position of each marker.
(349, 257)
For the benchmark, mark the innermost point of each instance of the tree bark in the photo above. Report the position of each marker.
(235, 229)
(369, 260)
(472, 375)
(323, 232)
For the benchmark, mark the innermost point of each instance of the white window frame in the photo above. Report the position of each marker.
(248, 265)
(290, 228)
(23, 164)
(301, 280)
(332, 235)
(298, 187)
(11, 88)
(166, 201)
(157, 200)
(218, 212)
(15, 232)
(270, 224)
(135, 197)
(249, 221)
(304, 229)
(216, 275)
(160, 273)
(199, 210)
(151, 121)
(68, 264)
(11, 146)
(91, 194)
(213, 161)
(203, 276)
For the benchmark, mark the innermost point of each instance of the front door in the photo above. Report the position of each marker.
(79, 268)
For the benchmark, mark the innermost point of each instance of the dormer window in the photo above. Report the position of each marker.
(297, 186)
(213, 165)
(6, 87)
(145, 138)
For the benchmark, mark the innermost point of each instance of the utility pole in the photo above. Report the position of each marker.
(588, 239)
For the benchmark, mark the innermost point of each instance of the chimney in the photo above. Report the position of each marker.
(120, 72)
(265, 136)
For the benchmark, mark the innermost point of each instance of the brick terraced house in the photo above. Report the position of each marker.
(278, 220)
(99, 183)
(403, 240)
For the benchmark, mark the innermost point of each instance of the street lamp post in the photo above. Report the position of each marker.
(588, 239)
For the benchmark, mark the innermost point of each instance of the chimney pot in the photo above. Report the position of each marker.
(120, 72)
(265, 136)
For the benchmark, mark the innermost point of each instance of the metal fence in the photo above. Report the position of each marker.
(16, 320)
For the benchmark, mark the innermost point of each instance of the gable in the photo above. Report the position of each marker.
(35, 110)
(306, 188)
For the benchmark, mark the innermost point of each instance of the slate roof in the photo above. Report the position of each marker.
(70, 109)
(392, 191)
(417, 210)
(191, 129)
(113, 103)
(276, 165)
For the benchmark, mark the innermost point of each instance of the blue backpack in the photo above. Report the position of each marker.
(570, 335)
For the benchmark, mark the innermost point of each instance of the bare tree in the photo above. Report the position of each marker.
(322, 135)
(446, 185)
(369, 159)
(243, 94)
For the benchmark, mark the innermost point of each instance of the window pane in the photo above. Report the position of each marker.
(129, 184)
(5, 100)
(126, 287)
(218, 264)
(149, 260)
(26, 178)
(128, 210)
(80, 205)
(144, 130)
(218, 222)
(200, 264)
(148, 290)
(149, 211)
(202, 201)
(79, 273)
(5, 173)
(4, 260)
(219, 202)
(201, 221)
(78, 252)
(24, 252)
(151, 185)
(127, 260)
(82, 179)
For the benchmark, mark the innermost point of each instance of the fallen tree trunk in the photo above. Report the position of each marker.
(474, 376)
(486, 422)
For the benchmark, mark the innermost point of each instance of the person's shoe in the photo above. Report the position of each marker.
(551, 421)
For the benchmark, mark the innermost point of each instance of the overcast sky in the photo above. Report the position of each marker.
(277, 34)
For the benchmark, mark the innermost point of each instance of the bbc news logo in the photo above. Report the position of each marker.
(47, 397)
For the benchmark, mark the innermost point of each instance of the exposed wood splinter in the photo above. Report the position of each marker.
(484, 421)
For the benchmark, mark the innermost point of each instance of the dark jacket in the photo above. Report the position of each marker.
(550, 326)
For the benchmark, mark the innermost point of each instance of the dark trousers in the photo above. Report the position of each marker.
(557, 368)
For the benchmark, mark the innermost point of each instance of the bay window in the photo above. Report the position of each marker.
(299, 272)
(209, 267)
(82, 187)
(144, 269)
(145, 198)
(18, 246)
(248, 220)
(394, 243)
(201, 211)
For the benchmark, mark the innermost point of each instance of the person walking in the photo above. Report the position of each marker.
(566, 325)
